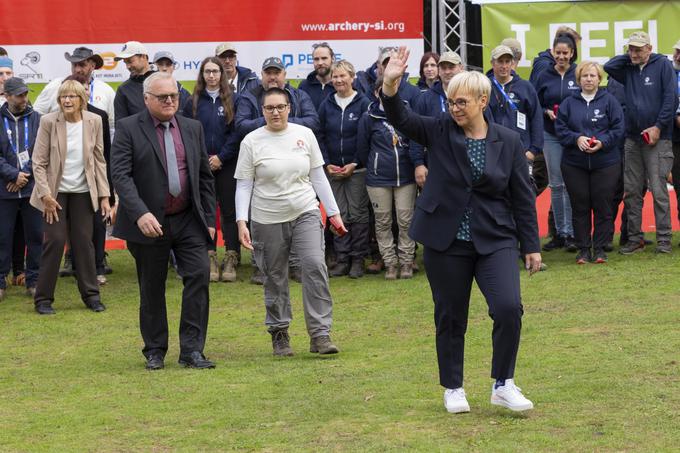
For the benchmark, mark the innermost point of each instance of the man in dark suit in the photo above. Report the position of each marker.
(166, 203)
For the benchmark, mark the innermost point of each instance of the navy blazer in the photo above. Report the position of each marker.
(140, 176)
(502, 201)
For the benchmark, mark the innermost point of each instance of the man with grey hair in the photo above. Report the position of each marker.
(166, 197)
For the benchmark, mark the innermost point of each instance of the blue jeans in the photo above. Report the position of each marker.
(561, 206)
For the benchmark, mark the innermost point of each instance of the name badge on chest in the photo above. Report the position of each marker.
(24, 159)
(521, 121)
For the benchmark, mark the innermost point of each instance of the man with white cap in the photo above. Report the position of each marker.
(241, 78)
(650, 88)
(165, 62)
(6, 72)
(83, 62)
(676, 128)
(130, 94)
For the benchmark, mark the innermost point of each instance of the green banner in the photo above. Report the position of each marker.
(604, 26)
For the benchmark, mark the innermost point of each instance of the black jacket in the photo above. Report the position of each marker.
(130, 97)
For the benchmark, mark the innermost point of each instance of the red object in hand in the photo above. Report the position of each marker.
(591, 141)
(556, 107)
(645, 137)
(337, 228)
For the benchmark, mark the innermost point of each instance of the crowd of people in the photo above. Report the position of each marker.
(452, 163)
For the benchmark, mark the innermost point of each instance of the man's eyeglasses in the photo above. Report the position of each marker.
(279, 108)
(173, 97)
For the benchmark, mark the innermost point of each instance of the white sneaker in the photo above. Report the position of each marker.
(510, 396)
(455, 401)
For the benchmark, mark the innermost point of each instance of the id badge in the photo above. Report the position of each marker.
(24, 158)
(521, 121)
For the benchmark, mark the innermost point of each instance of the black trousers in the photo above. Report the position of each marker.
(676, 174)
(98, 242)
(75, 225)
(19, 246)
(450, 275)
(592, 193)
(225, 189)
(12, 211)
(184, 235)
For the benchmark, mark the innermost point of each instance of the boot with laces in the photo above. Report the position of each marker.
(214, 267)
(281, 343)
(323, 345)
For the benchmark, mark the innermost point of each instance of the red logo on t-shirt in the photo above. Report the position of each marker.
(300, 143)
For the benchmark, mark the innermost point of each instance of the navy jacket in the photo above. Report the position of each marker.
(543, 61)
(651, 94)
(220, 138)
(552, 89)
(524, 97)
(247, 79)
(365, 84)
(502, 200)
(384, 151)
(129, 98)
(9, 160)
(676, 129)
(249, 110)
(316, 91)
(602, 118)
(338, 132)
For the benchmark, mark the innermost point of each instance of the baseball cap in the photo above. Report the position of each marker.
(163, 54)
(82, 54)
(385, 53)
(273, 62)
(450, 57)
(499, 51)
(638, 39)
(677, 45)
(6, 62)
(131, 48)
(15, 85)
(224, 47)
(514, 44)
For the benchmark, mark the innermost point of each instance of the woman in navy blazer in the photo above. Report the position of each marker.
(477, 205)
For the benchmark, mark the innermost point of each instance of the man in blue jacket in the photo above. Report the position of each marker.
(241, 78)
(318, 82)
(650, 87)
(19, 129)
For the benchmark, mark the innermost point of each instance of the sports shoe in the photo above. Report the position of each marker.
(583, 256)
(663, 247)
(631, 247)
(406, 271)
(67, 268)
(214, 268)
(600, 256)
(281, 343)
(554, 244)
(570, 245)
(391, 272)
(357, 268)
(322, 345)
(228, 267)
(455, 401)
(510, 396)
(101, 279)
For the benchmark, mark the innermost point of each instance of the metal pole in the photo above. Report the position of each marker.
(434, 40)
(462, 30)
(442, 26)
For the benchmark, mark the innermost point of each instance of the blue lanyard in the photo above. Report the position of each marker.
(505, 95)
(9, 135)
(91, 90)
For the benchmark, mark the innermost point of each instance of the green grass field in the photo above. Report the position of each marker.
(599, 357)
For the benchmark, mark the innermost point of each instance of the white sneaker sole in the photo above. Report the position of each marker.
(515, 408)
(457, 410)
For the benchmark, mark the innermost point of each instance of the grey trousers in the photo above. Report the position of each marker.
(352, 198)
(272, 244)
(385, 200)
(653, 164)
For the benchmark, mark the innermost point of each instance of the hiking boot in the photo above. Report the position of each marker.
(554, 244)
(570, 245)
(322, 345)
(663, 247)
(214, 267)
(281, 342)
(257, 278)
(510, 396)
(295, 274)
(600, 256)
(228, 266)
(631, 247)
(67, 268)
(376, 266)
(339, 269)
(406, 271)
(357, 269)
(455, 401)
(391, 272)
(583, 256)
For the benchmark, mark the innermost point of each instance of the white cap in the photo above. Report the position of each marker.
(131, 48)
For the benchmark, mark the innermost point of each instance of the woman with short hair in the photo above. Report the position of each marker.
(70, 186)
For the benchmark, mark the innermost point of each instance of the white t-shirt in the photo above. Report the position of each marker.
(73, 178)
(279, 164)
(344, 102)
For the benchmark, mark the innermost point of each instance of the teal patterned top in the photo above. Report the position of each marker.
(476, 151)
